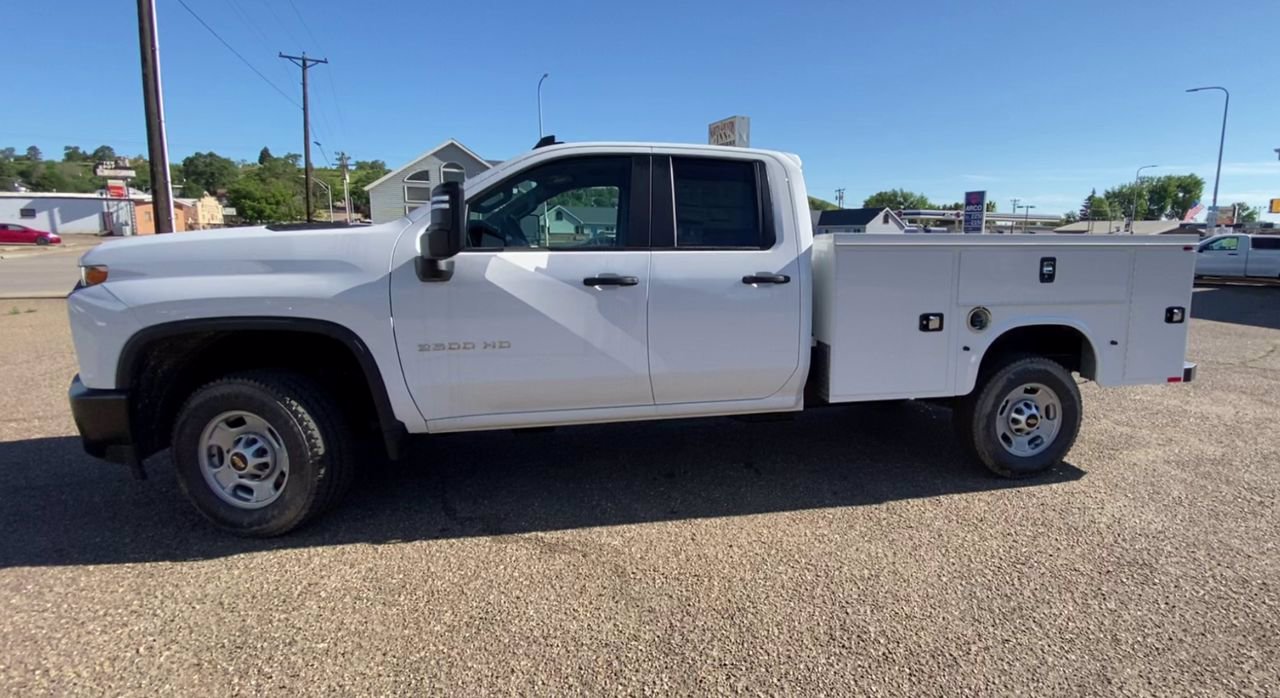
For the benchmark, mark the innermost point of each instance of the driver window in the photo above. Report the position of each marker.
(570, 204)
(1230, 244)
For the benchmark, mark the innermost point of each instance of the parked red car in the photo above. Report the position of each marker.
(12, 232)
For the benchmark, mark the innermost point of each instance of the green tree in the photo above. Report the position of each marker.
(271, 192)
(372, 165)
(817, 204)
(103, 153)
(264, 155)
(34, 154)
(209, 172)
(1100, 208)
(1246, 213)
(8, 154)
(73, 153)
(1070, 217)
(366, 172)
(46, 177)
(897, 199)
(1156, 198)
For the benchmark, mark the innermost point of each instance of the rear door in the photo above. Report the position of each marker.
(9, 233)
(1222, 256)
(1264, 256)
(724, 299)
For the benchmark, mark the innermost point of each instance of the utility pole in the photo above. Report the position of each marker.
(305, 63)
(153, 105)
(840, 197)
(346, 185)
(1013, 223)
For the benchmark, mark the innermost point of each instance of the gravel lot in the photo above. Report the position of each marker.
(847, 551)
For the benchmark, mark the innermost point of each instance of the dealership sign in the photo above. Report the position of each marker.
(975, 211)
(117, 188)
(735, 130)
(119, 167)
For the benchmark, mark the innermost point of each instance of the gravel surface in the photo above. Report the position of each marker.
(848, 551)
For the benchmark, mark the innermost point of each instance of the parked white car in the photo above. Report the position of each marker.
(276, 362)
(1239, 255)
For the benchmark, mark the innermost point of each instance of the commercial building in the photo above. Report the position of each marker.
(407, 187)
(66, 213)
(1121, 227)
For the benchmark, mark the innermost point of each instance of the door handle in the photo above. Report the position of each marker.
(610, 281)
(1233, 254)
(765, 278)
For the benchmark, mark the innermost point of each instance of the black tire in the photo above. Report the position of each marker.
(42, 241)
(977, 415)
(309, 424)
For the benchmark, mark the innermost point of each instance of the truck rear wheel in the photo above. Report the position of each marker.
(261, 453)
(1022, 419)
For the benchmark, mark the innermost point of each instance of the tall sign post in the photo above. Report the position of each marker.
(975, 212)
(118, 172)
(735, 130)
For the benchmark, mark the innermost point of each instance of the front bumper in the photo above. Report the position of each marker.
(102, 417)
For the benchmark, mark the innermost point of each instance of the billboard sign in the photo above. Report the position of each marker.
(975, 211)
(119, 167)
(735, 130)
(117, 188)
(1275, 206)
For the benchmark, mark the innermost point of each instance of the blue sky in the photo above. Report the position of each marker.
(1035, 99)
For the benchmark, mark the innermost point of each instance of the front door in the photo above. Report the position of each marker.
(543, 312)
(1221, 257)
(725, 292)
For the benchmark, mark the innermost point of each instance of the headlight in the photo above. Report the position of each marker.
(93, 274)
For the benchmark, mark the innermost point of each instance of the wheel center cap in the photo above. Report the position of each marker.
(239, 462)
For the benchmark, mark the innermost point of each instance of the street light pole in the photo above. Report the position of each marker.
(544, 77)
(328, 192)
(1026, 220)
(1013, 223)
(1137, 182)
(1211, 222)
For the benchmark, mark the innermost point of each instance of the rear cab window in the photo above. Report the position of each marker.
(720, 204)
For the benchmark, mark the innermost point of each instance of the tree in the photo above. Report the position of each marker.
(49, 178)
(103, 153)
(366, 172)
(73, 153)
(34, 154)
(208, 171)
(817, 204)
(264, 155)
(268, 193)
(1246, 213)
(8, 154)
(1069, 217)
(1086, 209)
(1156, 198)
(1100, 209)
(897, 199)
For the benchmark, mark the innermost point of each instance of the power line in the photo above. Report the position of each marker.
(333, 90)
(232, 49)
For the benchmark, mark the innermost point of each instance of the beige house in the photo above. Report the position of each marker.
(201, 214)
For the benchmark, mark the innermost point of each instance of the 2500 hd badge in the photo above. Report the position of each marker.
(464, 346)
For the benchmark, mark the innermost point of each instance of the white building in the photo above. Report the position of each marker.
(409, 186)
(66, 213)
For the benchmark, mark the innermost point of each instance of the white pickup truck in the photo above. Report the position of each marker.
(1237, 255)
(593, 283)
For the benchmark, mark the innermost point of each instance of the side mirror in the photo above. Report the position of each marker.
(442, 238)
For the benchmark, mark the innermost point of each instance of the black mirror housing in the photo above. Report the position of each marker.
(444, 231)
(442, 238)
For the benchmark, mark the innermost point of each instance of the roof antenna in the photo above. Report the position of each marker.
(546, 140)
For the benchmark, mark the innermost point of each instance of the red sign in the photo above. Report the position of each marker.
(117, 189)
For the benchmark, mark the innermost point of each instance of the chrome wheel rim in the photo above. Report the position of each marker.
(243, 460)
(1029, 419)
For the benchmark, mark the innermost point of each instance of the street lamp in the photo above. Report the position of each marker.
(328, 191)
(1137, 182)
(544, 77)
(1026, 220)
(1211, 222)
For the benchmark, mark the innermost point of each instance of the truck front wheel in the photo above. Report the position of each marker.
(262, 452)
(1022, 419)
